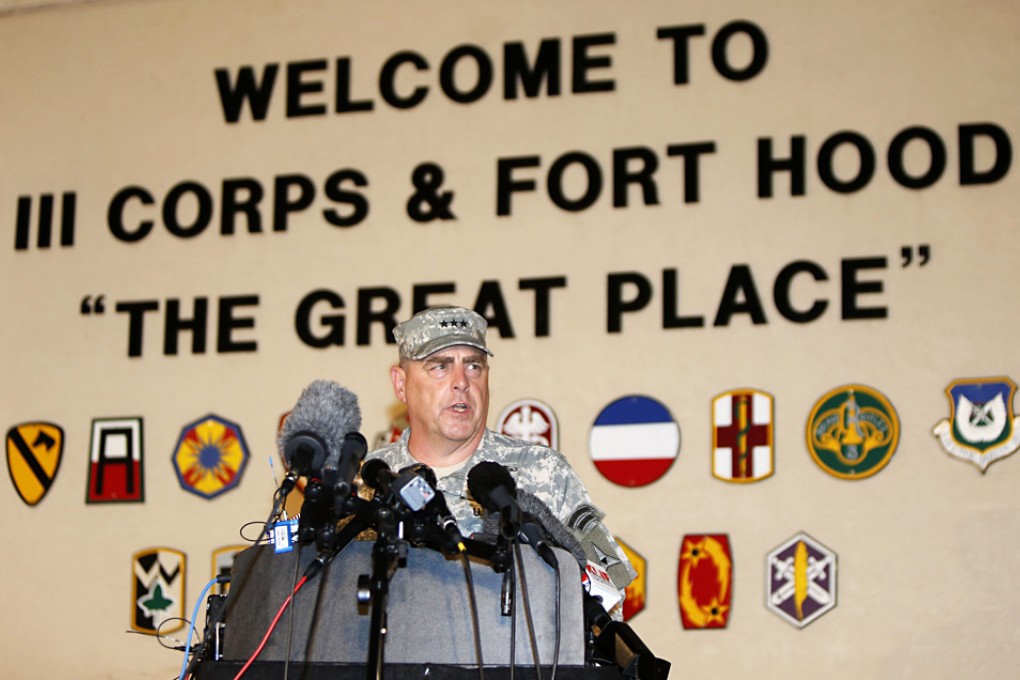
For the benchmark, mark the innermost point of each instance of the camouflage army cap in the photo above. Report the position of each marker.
(437, 328)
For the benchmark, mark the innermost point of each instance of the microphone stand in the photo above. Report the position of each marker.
(390, 521)
(388, 554)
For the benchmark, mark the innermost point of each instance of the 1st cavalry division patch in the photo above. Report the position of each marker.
(34, 451)
(981, 427)
(852, 432)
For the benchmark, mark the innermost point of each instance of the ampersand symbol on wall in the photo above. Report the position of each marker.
(427, 203)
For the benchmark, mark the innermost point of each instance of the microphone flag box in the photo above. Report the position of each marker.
(284, 535)
(596, 581)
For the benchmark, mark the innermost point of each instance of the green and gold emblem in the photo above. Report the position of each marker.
(852, 432)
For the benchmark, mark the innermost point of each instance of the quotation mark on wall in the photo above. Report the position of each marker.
(88, 306)
(923, 255)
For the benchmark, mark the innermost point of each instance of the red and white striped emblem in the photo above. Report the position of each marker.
(634, 441)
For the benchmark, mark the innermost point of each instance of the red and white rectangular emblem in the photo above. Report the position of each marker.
(115, 461)
(742, 436)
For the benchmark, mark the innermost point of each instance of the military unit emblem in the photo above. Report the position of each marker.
(982, 427)
(34, 452)
(398, 423)
(742, 436)
(115, 461)
(530, 420)
(223, 564)
(210, 456)
(158, 592)
(800, 580)
(705, 581)
(852, 432)
(634, 441)
(635, 594)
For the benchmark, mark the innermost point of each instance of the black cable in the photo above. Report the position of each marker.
(512, 571)
(290, 615)
(556, 650)
(187, 624)
(275, 513)
(476, 629)
(317, 566)
(255, 541)
(527, 612)
(272, 626)
(160, 636)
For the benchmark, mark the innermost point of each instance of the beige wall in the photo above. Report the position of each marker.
(98, 97)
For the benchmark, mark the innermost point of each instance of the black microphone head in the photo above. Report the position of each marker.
(324, 413)
(485, 478)
(376, 473)
(423, 471)
(355, 445)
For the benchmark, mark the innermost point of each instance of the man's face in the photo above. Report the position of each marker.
(447, 396)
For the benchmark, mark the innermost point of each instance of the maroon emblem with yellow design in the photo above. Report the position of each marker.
(742, 434)
(705, 581)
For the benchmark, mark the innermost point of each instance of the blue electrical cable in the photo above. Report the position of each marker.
(191, 628)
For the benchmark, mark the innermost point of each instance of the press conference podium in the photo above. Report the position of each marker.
(429, 633)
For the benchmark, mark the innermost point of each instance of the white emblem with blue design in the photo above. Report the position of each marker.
(981, 427)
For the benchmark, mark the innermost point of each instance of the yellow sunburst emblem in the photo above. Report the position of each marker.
(210, 456)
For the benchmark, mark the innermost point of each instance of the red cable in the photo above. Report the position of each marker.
(272, 626)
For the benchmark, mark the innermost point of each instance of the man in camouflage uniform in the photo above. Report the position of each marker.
(443, 378)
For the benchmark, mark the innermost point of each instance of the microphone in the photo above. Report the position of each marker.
(377, 474)
(318, 438)
(313, 435)
(595, 579)
(442, 510)
(415, 486)
(492, 485)
(412, 490)
(557, 531)
(352, 452)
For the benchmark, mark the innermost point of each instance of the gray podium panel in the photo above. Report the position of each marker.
(274, 670)
(429, 615)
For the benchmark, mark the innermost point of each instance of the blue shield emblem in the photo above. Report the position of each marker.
(981, 428)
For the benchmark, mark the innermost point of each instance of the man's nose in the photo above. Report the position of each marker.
(460, 381)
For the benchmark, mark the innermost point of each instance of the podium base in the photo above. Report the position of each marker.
(428, 618)
(273, 670)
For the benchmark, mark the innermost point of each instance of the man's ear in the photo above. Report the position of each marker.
(398, 378)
